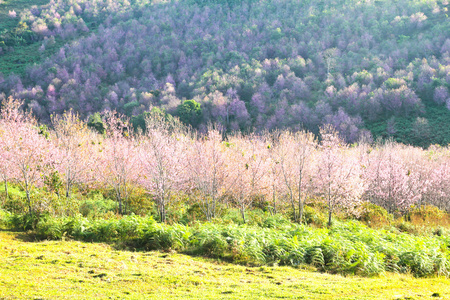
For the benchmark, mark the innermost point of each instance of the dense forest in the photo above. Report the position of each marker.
(369, 68)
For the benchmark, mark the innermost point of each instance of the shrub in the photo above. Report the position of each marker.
(210, 242)
(314, 217)
(428, 215)
(374, 215)
(403, 226)
(97, 206)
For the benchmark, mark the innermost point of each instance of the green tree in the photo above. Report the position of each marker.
(95, 121)
(190, 112)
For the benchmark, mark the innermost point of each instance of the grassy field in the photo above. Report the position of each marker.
(76, 270)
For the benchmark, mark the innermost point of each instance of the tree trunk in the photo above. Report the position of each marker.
(274, 199)
(162, 213)
(120, 204)
(300, 201)
(294, 210)
(30, 211)
(300, 210)
(6, 189)
(243, 215)
(68, 191)
(329, 218)
(330, 210)
(119, 199)
(208, 210)
(330, 205)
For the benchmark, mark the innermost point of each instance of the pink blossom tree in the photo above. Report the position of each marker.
(295, 152)
(249, 164)
(274, 175)
(162, 165)
(30, 152)
(338, 173)
(390, 183)
(73, 139)
(207, 171)
(118, 159)
(439, 189)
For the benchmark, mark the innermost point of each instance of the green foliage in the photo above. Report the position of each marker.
(438, 118)
(95, 122)
(15, 202)
(97, 206)
(138, 121)
(22, 221)
(313, 216)
(18, 36)
(141, 121)
(43, 130)
(53, 181)
(139, 202)
(190, 112)
(128, 107)
(393, 83)
(428, 215)
(374, 215)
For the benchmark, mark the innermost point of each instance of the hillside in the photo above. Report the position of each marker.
(363, 66)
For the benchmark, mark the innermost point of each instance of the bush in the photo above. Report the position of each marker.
(97, 205)
(406, 227)
(313, 216)
(428, 215)
(5, 217)
(374, 215)
(22, 221)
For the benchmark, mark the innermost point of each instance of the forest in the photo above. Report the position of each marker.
(372, 69)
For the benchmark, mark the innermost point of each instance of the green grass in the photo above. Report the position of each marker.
(77, 270)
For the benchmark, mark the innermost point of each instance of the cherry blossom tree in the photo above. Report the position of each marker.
(163, 163)
(439, 189)
(390, 183)
(30, 152)
(74, 141)
(249, 164)
(207, 171)
(295, 153)
(338, 173)
(10, 114)
(118, 159)
(275, 172)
